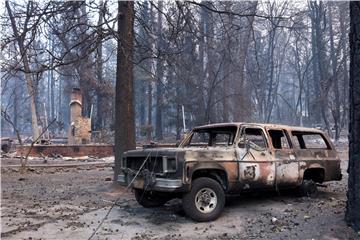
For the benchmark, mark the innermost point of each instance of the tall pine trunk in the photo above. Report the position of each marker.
(353, 194)
(314, 111)
(99, 70)
(345, 71)
(242, 108)
(336, 111)
(159, 76)
(124, 107)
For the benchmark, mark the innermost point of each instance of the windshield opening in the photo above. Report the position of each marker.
(219, 136)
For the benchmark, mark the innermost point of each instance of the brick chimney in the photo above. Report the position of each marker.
(75, 105)
(80, 127)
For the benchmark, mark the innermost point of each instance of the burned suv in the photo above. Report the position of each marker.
(217, 160)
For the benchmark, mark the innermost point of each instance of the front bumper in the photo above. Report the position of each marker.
(151, 184)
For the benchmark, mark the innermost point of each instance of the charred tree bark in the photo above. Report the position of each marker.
(345, 72)
(242, 96)
(202, 73)
(51, 81)
(226, 66)
(336, 110)
(151, 80)
(210, 72)
(124, 107)
(353, 194)
(99, 70)
(143, 39)
(15, 107)
(315, 106)
(319, 20)
(149, 111)
(159, 76)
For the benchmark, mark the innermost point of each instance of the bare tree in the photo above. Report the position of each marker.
(21, 38)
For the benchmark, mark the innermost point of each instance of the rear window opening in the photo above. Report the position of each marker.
(310, 140)
(279, 139)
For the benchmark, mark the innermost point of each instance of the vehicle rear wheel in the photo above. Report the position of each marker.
(308, 188)
(205, 201)
(149, 199)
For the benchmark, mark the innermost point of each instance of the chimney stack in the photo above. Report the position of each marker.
(75, 105)
(80, 127)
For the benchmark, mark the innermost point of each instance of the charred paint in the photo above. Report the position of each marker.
(246, 167)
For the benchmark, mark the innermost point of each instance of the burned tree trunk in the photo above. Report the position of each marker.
(345, 71)
(124, 108)
(99, 70)
(159, 76)
(353, 194)
(336, 109)
(243, 110)
(315, 85)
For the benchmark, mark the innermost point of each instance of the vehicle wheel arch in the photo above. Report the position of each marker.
(315, 173)
(219, 174)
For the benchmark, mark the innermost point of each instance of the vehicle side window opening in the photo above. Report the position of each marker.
(200, 138)
(255, 136)
(310, 140)
(299, 141)
(279, 139)
(221, 139)
(221, 136)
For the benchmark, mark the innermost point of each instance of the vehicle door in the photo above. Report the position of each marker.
(287, 166)
(256, 168)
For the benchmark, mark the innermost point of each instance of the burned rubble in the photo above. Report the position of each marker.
(78, 142)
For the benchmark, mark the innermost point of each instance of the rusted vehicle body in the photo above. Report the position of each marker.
(215, 160)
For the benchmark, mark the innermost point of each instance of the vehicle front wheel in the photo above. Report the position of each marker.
(308, 188)
(149, 199)
(205, 201)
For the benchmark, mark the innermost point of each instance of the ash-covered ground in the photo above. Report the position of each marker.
(70, 202)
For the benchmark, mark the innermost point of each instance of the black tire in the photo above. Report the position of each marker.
(204, 188)
(308, 188)
(149, 199)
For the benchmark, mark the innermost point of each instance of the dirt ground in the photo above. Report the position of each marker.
(69, 203)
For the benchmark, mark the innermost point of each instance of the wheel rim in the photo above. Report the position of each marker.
(206, 200)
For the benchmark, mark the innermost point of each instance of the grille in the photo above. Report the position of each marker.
(153, 164)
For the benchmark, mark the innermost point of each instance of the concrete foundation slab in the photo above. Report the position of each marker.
(94, 150)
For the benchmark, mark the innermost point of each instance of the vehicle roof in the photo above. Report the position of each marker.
(265, 125)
